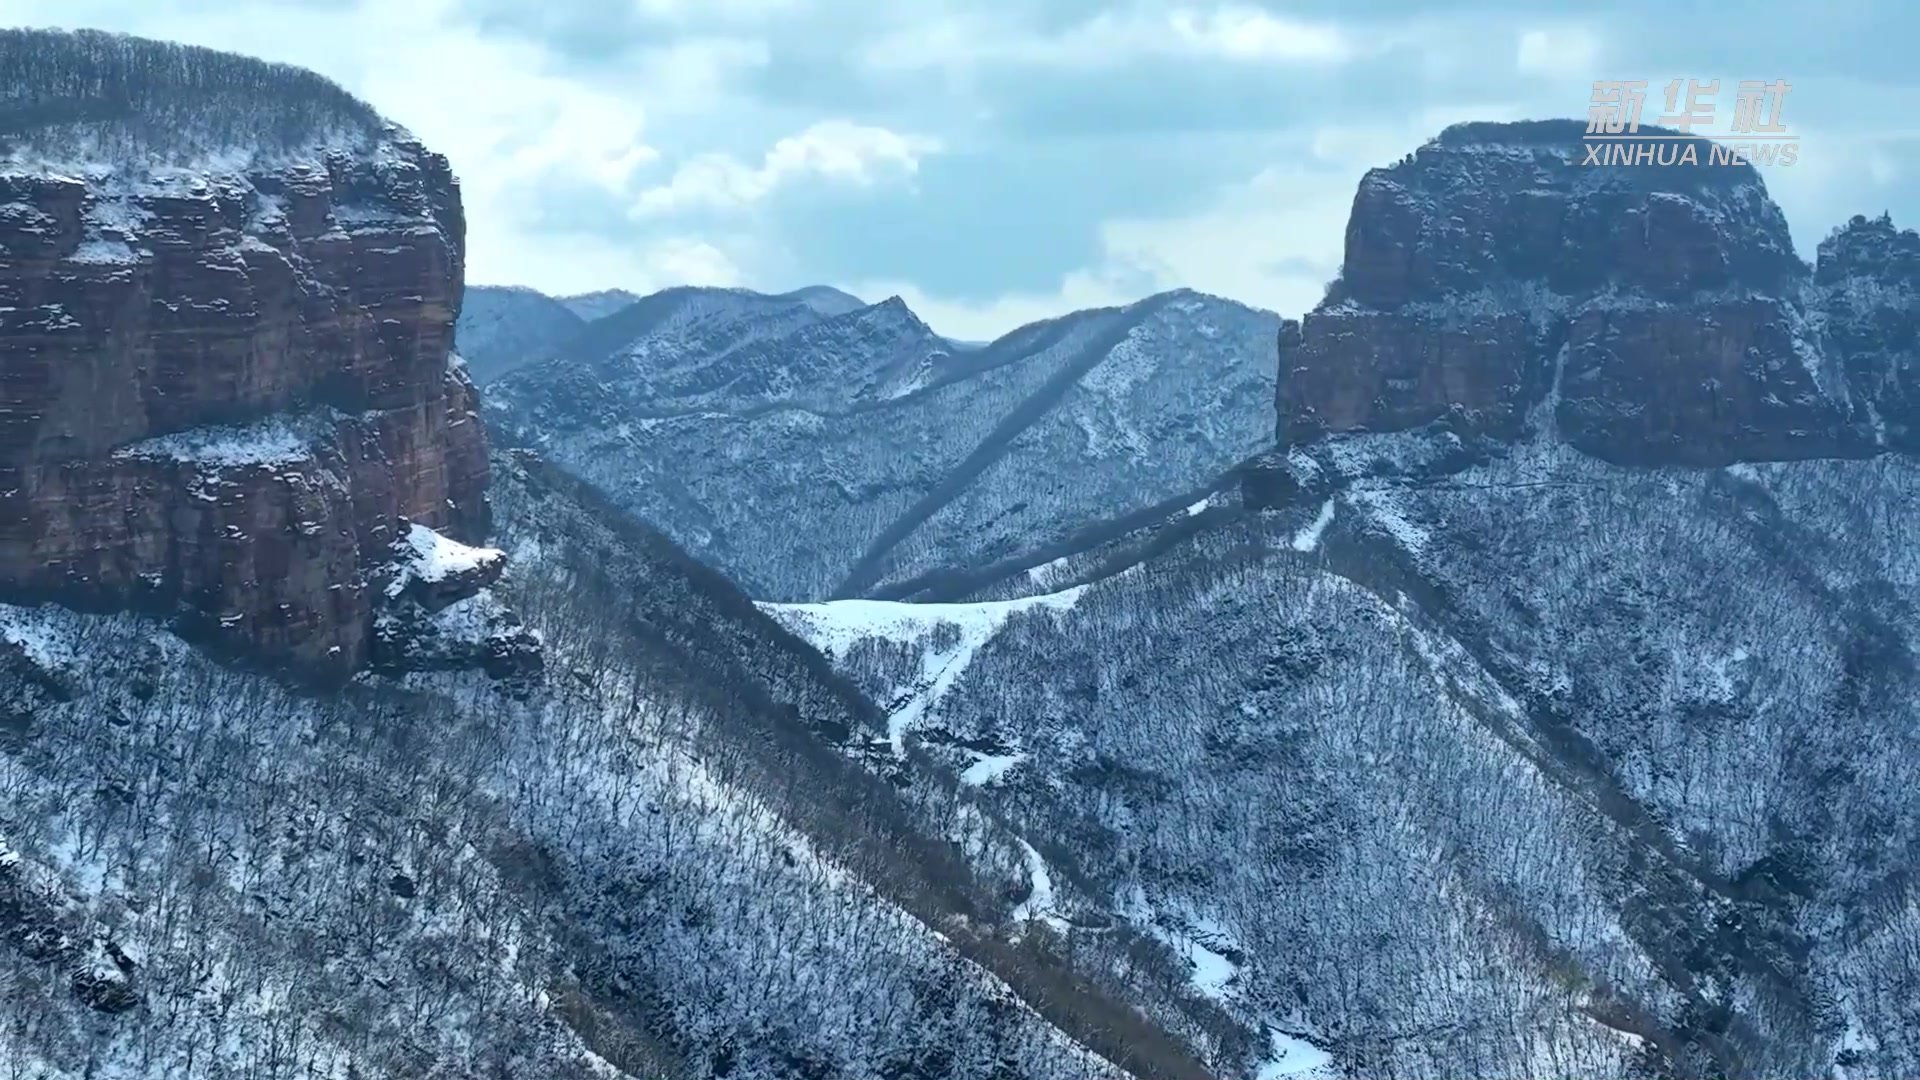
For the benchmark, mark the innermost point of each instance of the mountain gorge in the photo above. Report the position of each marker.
(298, 778)
(1505, 670)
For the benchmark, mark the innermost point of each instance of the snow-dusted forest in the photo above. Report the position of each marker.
(796, 693)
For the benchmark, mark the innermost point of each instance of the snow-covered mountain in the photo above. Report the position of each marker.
(505, 327)
(502, 328)
(1519, 684)
(810, 453)
(597, 305)
(1547, 767)
(664, 860)
(332, 747)
(1470, 732)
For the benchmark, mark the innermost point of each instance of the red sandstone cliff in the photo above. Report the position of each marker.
(1652, 314)
(227, 386)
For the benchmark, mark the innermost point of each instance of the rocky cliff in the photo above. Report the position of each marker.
(1651, 313)
(227, 390)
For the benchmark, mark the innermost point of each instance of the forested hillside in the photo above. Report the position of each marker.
(1546, 767)
(811, 450)
(663, 861)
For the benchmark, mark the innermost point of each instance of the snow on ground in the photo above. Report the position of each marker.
(1039, 903)
(1294, 1058)
(428, 556)
(1384, 510)
(1206, 944)
(38, 633)
(1048, 574)
(989, 767)
(1308, 538)
(836, 626)
(1213, 972)
(277, 440)
(1854, 1041)
(1201, 941)
(104, 251)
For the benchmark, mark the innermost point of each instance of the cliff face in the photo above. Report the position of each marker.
(227, 391)
(1868, 273)
(1652, 313)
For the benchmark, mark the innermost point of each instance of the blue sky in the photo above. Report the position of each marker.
(995, 162)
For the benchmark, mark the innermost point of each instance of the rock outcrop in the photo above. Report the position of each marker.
(1868, 274)
(226, 385)
(1652, 313)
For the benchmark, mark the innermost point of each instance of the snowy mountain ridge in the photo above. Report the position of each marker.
(745, 424)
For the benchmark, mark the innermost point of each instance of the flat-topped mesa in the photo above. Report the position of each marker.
(1652, 313)
(227, 296)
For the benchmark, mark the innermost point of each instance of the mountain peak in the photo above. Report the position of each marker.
(598, 304)
(825, 299)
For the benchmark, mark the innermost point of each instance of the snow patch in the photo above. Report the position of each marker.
(46, 643)
(988, 768)
(107, 252)
(1049, 573)
(836, 626)
(430, 557)
(1039, 903)
(1308, 538)
(1129, 363)
(1203, 942)
(277, 440)
(1293, 1057)
(1383, 510)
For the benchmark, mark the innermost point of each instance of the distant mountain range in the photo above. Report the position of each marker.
(814, 446)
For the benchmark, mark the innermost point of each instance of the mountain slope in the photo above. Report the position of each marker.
(504, 328)
(607, 874)
(1547, 766)
(809, 454)
(1479, 729)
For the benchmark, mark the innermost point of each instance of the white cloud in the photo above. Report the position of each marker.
(1239, 33)
(586, 264)
(1231, 32)
(984, 320)
(837, 151)
(1564, 51)
(743, 11)
(1273, 240)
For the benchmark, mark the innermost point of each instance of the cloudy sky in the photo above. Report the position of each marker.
(998, 161)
